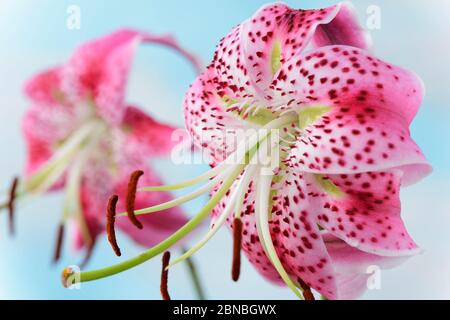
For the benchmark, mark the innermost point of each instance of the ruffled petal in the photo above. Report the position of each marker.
(248, 58)
(353, 268)
(297, 236)
(45, 88)
(99, 70)
(206, 120)
(146, 135)
(348, 77)
(365, 212)
(371, 106)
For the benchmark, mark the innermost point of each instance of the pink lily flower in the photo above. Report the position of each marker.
(329, 208)
(84, 138)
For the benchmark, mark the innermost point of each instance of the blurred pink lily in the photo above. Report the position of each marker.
(330, 206)
(84, 138)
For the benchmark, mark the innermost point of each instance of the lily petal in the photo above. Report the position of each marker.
(206, 119)
(295, 235)
(249, 57)
(367, 213)
(298, 239)
(44, 130)
(372, 104)
(45, 88)
(99, 69)
(147, 135)
(353, 268)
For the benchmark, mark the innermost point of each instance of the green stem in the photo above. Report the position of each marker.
(169, 242)
(195, 278)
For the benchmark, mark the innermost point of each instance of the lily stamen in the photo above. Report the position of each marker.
(110, 222)
(58, 243)
(11, 201)
(245, 151)
(237, 242)
(131, 198)
(307, 293)
(165, 276)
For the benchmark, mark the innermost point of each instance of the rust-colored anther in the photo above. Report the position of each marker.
(307, 293)
(237, 242)
(131, 197)
(110, 221)
(165, 276)
(58, 244)
(12, 198)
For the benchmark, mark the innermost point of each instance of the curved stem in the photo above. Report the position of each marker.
(195, 278)
(169, 242)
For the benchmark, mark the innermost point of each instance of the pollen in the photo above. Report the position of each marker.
(110, 222)
(131, 198)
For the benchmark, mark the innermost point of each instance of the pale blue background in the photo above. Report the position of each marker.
(33, 35)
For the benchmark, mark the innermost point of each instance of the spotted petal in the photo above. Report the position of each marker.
(206, 119)
(365, 212)
(99, 70)
(371, 105)
(51, 118)
(295, 235)
(354, 268)
(249, 57)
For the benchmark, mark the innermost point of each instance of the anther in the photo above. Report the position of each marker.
(307, 293)
(164, 276)
(111, 219)
(58, 244)
(131, 198)
(12, 198)
(237, 242)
